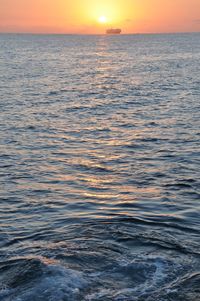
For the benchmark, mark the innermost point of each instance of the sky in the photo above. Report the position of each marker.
(94, 16)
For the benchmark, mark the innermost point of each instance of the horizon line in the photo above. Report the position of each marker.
(99, 34)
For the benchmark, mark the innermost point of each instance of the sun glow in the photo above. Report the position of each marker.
(102, 19)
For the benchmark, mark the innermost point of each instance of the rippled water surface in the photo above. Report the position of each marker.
(100, 168)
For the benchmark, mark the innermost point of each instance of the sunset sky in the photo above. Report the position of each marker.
(94, 16)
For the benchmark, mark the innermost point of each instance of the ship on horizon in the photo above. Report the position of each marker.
(113, 31)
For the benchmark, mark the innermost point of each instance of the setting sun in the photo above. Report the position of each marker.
(102, 19)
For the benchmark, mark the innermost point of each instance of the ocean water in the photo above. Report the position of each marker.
(100, 168)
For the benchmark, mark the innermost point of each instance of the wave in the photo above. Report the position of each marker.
(148, 277)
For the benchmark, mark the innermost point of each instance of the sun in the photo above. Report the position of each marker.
(102, 19)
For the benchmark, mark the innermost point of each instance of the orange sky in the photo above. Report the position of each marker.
(81, 16)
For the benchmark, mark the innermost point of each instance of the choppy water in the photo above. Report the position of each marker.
(100, 168)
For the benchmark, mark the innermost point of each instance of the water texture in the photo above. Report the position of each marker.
(100, 168)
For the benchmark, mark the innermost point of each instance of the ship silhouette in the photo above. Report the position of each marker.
(113, 31)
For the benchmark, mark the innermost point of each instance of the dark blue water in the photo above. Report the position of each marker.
(100, 168)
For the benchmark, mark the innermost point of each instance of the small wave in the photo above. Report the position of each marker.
(33, 279)
(117, 275)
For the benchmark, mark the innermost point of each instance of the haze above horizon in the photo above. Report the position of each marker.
(94, 16)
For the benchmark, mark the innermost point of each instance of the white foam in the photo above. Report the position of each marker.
(57, 283)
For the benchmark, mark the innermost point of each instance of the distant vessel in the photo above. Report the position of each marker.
(113, 31)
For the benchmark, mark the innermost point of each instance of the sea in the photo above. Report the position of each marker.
(100, 167)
